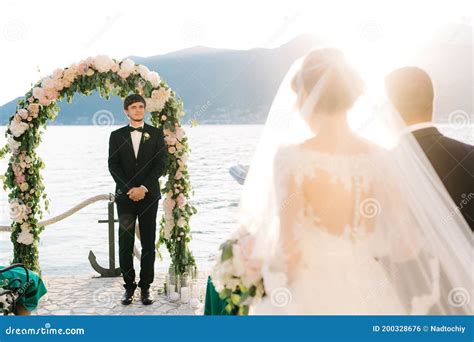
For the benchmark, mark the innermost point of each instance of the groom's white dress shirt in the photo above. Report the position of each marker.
(420, 125)
(416, 127)
(136, 138)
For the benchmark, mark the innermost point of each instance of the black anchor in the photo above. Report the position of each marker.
(112, 271)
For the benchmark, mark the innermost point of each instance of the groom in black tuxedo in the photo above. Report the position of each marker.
(410, 90)
(137, 159)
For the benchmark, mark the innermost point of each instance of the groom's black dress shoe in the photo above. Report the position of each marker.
(146, 297)
(127, 297)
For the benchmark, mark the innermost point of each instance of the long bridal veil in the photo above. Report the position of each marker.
(420, 237)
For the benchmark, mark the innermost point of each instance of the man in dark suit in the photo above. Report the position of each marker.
(137, 158)
(410, 90)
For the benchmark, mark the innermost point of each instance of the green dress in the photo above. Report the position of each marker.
(214, 305)
(33, 292)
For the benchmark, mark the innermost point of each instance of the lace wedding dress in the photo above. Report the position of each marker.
(338, 269)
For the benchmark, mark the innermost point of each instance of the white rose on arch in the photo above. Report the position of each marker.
(25, 226)
(18, 211)
(181, 222)
(153, 78)
(142, 70)
(69, 75)
(161, 94)
(127, 67)
(18, 128)
(13, 145)
(24, 187)
(158, 99)
(25, 237)
(153, 105)
(103, 63)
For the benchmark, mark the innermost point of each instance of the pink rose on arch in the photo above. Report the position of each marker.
(47, 83)
(44, 101)
(20, 178)
(123, 73)
(51, 94)
(181, 201)
(38, 92)
(115, 67)
(82, 68)
(57, 73)
(168, 204)
(43, 97)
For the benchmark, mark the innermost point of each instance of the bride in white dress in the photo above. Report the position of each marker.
(343, 226)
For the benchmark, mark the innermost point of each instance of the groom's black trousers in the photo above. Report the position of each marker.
(128, 212)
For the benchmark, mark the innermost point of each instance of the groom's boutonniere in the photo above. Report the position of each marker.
(146, 136)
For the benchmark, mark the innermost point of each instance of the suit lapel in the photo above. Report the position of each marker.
(128, 141)
(142, 145)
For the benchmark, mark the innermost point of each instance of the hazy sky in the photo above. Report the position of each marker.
(39, 36)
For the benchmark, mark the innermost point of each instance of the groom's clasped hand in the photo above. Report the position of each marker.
(136, 194)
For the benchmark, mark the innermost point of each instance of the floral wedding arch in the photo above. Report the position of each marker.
(108, 76)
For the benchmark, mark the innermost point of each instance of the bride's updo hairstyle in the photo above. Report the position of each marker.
(327, 76)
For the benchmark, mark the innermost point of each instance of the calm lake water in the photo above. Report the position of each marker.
(76, 169)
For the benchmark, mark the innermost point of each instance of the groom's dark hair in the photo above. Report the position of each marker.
(133, 98)
(410, 90)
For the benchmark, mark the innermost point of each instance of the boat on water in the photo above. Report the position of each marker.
(239, 172)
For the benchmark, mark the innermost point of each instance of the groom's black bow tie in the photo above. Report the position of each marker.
(140, 129)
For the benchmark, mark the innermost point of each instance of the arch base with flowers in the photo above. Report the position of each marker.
(23, 178)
